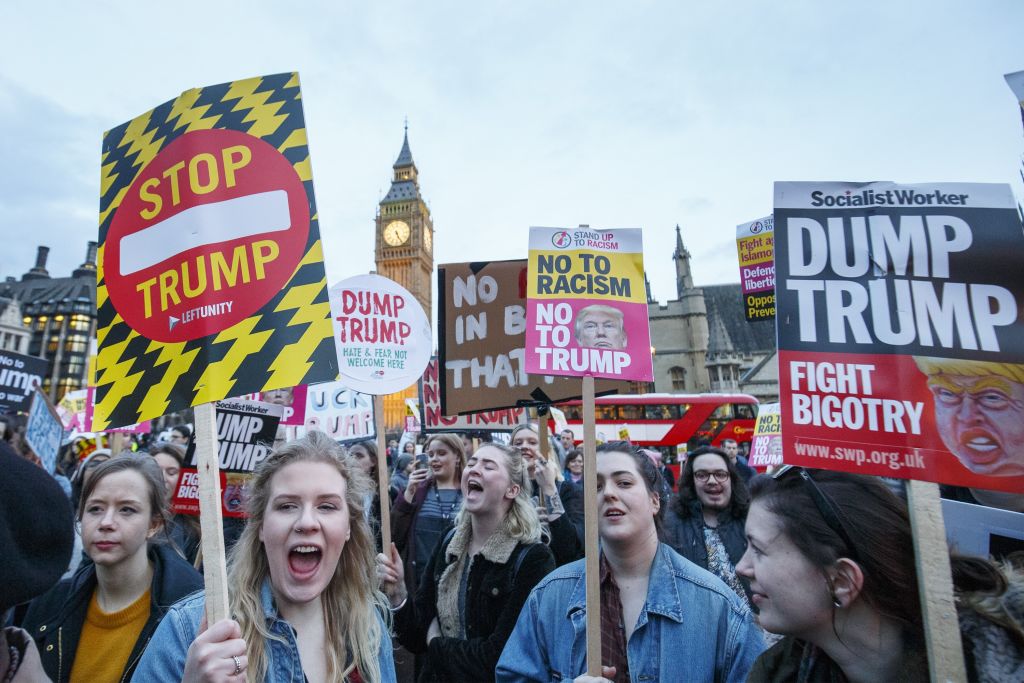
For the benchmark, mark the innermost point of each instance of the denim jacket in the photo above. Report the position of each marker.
(164, 659)
(691, 628)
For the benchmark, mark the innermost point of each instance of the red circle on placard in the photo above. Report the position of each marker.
(206, 234)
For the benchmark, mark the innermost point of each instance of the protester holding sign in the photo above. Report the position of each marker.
(478, 577)
(301, 584)
(831, 566)
(681, 623)
(94, 626)
(422, 515)
(562, 509)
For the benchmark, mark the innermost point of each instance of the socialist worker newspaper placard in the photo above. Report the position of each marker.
(586, 310)
(211, 278)
(901, 344)
(245, 437)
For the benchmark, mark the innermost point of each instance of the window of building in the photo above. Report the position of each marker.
(678, 376)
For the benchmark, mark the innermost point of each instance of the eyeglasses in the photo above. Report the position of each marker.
(829, 511)
(719, 475)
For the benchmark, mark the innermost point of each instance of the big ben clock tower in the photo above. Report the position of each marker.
(405, 251)
(405, 233)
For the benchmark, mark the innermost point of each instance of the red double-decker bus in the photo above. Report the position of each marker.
(668, 420)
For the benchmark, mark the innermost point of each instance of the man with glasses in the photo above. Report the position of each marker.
(705, 521)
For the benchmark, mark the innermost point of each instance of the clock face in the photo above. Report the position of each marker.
(396, 233)
(428, 240)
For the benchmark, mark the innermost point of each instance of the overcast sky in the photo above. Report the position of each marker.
(525, 113)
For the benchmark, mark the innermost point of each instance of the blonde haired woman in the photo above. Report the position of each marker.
(301, 581)
(478, 576)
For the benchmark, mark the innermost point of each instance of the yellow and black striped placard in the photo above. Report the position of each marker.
(287, 341)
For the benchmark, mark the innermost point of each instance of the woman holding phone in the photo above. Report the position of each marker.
(422, 515)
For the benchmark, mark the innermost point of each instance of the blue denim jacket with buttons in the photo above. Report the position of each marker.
(164, 659)
(692, 628)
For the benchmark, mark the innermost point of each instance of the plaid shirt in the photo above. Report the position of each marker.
(613, 631)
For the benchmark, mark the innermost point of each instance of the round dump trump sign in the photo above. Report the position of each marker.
(209, 231)
(382, 335)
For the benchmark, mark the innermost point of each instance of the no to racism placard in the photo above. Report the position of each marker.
(766, 446)
(586, 308)
(19, 376)
(383, 336)
(901, 347)
(482, 344)
(211, 280)
(755, 244)
(245, 437)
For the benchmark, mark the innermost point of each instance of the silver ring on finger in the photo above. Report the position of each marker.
(238, 665)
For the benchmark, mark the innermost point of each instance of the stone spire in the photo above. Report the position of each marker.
(684, 278)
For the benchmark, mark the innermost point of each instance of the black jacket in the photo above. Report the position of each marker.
(495, 594)
(686, 536)
(55, 618)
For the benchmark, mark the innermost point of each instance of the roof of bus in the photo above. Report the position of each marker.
(647, 399)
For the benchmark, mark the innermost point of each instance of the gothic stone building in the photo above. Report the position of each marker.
(703, 343)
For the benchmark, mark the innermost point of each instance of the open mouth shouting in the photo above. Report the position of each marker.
(979, 446)
(304, 560)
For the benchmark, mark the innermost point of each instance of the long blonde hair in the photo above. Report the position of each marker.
(521, 521)
(351, 601)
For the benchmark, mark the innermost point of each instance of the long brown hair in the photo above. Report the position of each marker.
(875, 520)
(351, 601)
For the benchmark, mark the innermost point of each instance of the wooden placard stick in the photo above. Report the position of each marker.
(590, 535)
(211, 525)
(545, 447)
(935, 584)
(116, 443)
(382, 474)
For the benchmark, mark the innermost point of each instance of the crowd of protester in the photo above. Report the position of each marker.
(717, 574)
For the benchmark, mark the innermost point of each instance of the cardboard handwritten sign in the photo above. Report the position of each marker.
(19, 376)
(901, 343)
(44, 431)
(382, 334)
(211, 279)
(482, 344)
(245, 437)
(434, 420)
(339, 411)
(586, 310)
(755, 245)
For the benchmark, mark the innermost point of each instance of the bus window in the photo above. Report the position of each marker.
(631, 412)
(574, 413)
(744, 411)
(662, 412)
(605, 412)
(723, 412)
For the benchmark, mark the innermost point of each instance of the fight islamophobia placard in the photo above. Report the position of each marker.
(901, 348)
